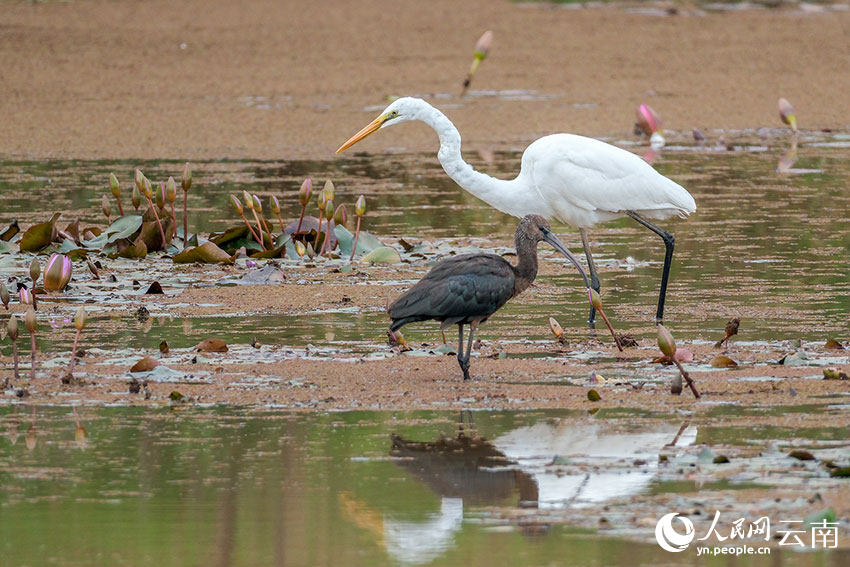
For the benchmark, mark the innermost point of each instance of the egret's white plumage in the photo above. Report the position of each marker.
(576, 180)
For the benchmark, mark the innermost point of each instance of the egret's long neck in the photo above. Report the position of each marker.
(509, 196)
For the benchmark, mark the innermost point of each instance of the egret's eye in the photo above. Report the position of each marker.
(392, 114)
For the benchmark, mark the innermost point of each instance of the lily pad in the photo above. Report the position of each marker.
(365, 243)
(721, 361)
(145, 365)
(123, 227)
(10, 232)
(211, 345)
(206, 253)
(39, 236)
(382, 255)
(5, 247)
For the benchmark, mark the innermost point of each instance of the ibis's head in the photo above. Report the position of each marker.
(536, 229)
(400, 110)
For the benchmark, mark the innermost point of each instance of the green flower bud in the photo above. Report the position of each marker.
(360, 206)
(4, 295)
(300, 249)
(274, 204)
(248, 200)
(257, 205)
(321, 201)
(80, 319)
(304, 192)
(595, 299)
(329, 210)
(30, 320)
(35, 268)
(147, 188)
(329, 190)
(340, 216)
(139, 178)
(12, 328)
(106, 205)
(666, 342)
(171, 190)
(237, 204)
(186, 179)
(114, 186)
(160, 195)
(136, 196)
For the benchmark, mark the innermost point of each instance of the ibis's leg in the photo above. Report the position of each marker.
(472, 328)
(594, 278)
(669, 241)
(464, 362)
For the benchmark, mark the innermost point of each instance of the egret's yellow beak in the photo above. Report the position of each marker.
(373, 126)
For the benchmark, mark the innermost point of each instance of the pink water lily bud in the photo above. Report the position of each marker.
(787, 114)
(360, 206)
(595, 299)
(248, 200)
(666, 342)
(340, 216)
(329, 210)
(147, 188)
(139, 178)
(106, 205)
(321, 201)
(114, 186)
(186, 178)
(647, 119)
(329, 190)
(482, 47)
(25, 296)
(80, 318)
(35, 269)
(12, 328)
(258, 206)
(171, 190)
(58, 273)
(304, 192)
(4, 295)
(136, 197)
(30, 321)
(160, 195)
(274, 204)
(237, 204)
(300, 249)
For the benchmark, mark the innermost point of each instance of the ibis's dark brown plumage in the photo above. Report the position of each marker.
(467, 289)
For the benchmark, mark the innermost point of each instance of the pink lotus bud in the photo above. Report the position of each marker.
(247, 200)
(666, 342)
(648, 120)
(58, 273)
(4, 295)
(329, 190)
(258, 206)
(30, 320)
(186, 179)
(482, 47)
(171, 190)
(360, 206)
(304, 192)
(340, 216)
(114, 186)
(329, 210)
(237, 204)
(35, 270)
(25, 296)
(787, 114)
(274, 204)
(12, 328)
(80, 319)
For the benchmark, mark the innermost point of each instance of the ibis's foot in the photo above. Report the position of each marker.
(464, 365)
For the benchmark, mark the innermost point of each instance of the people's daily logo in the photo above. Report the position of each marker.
(667, 536)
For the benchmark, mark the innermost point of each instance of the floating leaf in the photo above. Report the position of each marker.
(801, 455)
(832, 344)
(365, 243)
(593, 396)
(382, 255)
(10, 232)
(5, 247)
(145, 365)
(206, 253)
(123, 227)
(279, 252)
(137, 250)
(720, 460)
(39, 236)
(211, 345)
(721, 361)
(154, 288)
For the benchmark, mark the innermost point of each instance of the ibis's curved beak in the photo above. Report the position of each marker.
(553, 240)
(373, 126)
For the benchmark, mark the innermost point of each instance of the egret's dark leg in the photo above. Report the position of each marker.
(594, 278)
(464, 362)
(669, 241)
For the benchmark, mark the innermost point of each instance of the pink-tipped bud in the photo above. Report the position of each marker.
(30, 321)
(171, 190)
(300, 249)
(329, 190)
(787, 114)
(321, 201)
(4, 295)
(35, 269)
(186, 179)
(556, 328)
(248, 200)
(58, 273)
(136, 197)
(648, 120)
(274, 204)
(114, 186)
(12, 328)
(329, 210)
(595, 299)
(25, 296)
(160, 195)
(237, 204)
(304, 192)
(80, 319)
(106, 205)
(360, 206)
(147, 188)
(482, 47)
(258, 206)
(340, 216)
(666, 342)
(139, 178)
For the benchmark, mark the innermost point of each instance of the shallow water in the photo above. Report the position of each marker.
(227, 487)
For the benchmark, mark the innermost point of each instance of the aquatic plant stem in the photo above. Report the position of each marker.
(120, 207)
(266, 226)
(300, 219)
(254, 234)
(174, 218)
(32, 370)
(685, 375)
(158, 222)
(354, 249)
(325, 240)
(185, 219)
(319, 233)
(259, 229)
(74, 353)
(15, 358)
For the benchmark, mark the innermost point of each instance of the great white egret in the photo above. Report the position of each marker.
(576, 180)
